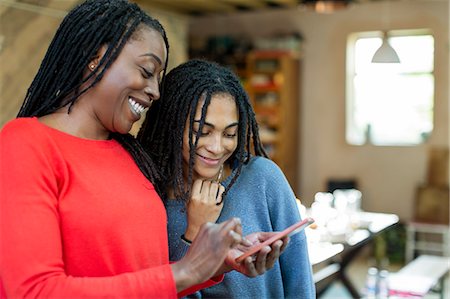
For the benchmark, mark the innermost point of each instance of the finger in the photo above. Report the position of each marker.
(206, 187)
(274, 254)
(196, 187)
(285, 241)
(238, 230)
(237, 238)
(246, 242)
(262, 236)
(261, 259)
(238, 227)
(219, 199)
(233, 229)
(250, 267)
(213, 190)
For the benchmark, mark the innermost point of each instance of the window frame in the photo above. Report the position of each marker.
(350, 85)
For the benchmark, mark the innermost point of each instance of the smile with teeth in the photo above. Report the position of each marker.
(137, 108)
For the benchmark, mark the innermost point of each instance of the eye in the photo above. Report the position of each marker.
(230, 132)
(146, 73)
(230, 135)
(202, 134)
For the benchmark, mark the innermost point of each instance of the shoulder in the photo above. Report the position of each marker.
(258, 162)
(263, 167)
(263, 174)
(19, 126)
(23, 136)
(267, 175)
(19, 130)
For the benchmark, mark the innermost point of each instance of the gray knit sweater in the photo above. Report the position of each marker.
(264, 201)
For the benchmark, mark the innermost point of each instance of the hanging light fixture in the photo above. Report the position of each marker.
(385, 54)
(326, 6)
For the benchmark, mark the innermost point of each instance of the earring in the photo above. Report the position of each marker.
(219, 176)
(92, 67)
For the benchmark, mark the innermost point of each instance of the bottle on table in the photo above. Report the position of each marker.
(371, 283)
(383, 285)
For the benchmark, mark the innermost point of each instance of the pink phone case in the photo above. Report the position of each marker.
(290, 231)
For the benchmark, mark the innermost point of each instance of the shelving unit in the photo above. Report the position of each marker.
(272, 80)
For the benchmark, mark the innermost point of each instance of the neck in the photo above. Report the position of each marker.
(75, 123)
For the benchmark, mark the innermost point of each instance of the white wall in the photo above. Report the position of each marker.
(387, 176)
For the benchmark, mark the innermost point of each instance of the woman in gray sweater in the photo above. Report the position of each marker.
(202, 130)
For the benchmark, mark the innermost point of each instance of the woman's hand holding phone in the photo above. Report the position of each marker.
(263, 260)
(291, 230)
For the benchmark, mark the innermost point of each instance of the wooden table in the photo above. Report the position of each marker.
(339, 256)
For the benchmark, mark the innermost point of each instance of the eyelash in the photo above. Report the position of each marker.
(205, 134)
(146, 74)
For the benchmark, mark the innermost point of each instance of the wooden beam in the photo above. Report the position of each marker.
(187, 7)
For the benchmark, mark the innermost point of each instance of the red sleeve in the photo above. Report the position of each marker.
(206, 284)
(31, 259)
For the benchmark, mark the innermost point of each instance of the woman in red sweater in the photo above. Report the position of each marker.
(79, 216)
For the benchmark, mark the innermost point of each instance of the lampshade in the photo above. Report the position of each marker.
(385, 54)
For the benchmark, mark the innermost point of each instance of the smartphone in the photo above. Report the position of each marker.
(290, 231)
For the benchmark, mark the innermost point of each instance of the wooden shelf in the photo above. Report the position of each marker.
(265, 88)
(272, 84)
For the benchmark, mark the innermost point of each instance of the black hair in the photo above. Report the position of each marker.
(162, 131)
(60, 80)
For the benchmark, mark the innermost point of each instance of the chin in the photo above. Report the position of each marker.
(123, 131)
(207, 175)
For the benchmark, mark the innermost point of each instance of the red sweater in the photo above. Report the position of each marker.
(78, 219)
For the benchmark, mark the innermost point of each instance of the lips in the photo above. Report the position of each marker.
(209, 161)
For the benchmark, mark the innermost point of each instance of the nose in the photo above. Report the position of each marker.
(152, 91)
(215, 144)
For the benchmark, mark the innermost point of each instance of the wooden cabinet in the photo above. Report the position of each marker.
(273, 86)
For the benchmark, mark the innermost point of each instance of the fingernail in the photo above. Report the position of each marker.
(246, 241)
(234, 234)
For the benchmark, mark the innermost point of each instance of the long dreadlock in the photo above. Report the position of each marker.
(162, 131)
(59, 80)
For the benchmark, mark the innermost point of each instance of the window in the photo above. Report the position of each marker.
(390, 104)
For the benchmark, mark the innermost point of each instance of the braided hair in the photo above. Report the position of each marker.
(162, 131)
(60, 80)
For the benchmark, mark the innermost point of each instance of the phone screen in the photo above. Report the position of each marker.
(290, 231)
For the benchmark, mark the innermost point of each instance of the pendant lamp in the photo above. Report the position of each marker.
(326, 6)
(385, 54)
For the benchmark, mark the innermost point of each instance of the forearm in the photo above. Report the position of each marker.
(191, 231)
(207, 253)
(182, 277)
(149, 283)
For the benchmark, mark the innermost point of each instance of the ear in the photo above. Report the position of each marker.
(96, 60)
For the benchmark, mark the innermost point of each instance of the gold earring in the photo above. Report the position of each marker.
(92, 66)
(219, 176)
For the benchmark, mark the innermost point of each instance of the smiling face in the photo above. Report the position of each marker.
(218, 139)
(131, 83)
